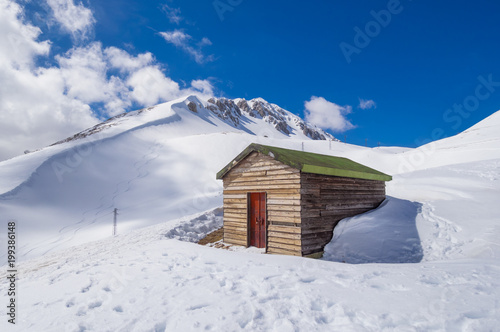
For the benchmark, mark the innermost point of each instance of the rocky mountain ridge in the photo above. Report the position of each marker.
(231, 111)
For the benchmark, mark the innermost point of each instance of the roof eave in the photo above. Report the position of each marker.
(344, 173)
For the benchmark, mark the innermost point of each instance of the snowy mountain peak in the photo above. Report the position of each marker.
(283, 121)
(256, 116)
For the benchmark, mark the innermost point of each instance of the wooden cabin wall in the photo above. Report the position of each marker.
(261, 173)
(325, 200)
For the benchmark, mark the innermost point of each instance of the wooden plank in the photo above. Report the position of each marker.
(286, 171)
(349, 206)
(243, 169)
(233, 210)
(274, 201)
(265, 187)
(283, 252)
(342, 212)
(320, 237)
(235, 224)
(313, 247)
(336, 179)
(234, 219)
(290, 214)
(278, 245)
(235, 197)
(235, 229)
(284, 223)
(237, 206)
(260, 179)
(260, 182)
(346, 189)
(313, 192)
(235, 215)
(293, 236)
(281, 207)
(275, 191)
(237, 242)
(310, 213)
(283, 229)
(282, 240)
(235, 235)
(228, 198)
(279, 219)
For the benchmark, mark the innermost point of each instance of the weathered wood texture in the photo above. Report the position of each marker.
(261, 173)
(302, 209)
(325, 200)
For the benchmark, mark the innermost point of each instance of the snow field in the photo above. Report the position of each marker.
(430, 253)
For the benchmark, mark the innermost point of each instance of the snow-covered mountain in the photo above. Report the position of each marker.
(158, 165)
(253, 116)
(161, 159)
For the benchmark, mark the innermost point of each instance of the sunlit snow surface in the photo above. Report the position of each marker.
(427, 259)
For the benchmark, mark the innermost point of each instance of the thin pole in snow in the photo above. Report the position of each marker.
(330, 144)
(302, 146)
(115, 213)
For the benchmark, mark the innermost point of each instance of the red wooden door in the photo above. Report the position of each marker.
(257, 216)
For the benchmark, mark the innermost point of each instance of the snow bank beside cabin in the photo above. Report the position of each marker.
(197, 228)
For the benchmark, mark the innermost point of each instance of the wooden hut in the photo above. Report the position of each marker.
(289, 201)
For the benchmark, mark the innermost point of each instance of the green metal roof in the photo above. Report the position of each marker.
(308, 162)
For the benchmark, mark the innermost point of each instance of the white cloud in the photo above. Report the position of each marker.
(78, 20)
(41, 105)
(183, 41)
(123, 61)
(34, 111)
(173, 14)
(150, 86)
(366, 104)
(203, 86)
(205, 42)
(176, 37)
(327, 115)
(18, 43)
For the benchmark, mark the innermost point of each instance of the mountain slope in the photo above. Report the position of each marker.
(442, 218)
(152, 165)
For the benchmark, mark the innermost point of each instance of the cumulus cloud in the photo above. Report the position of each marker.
(34, 109)
(184, 41)
(18, 41)
(327, 115)
(125, 62)
(366, 104)
(149, 86)
(41, 105)
(77, 20)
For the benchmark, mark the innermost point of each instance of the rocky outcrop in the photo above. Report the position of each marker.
(281, 119)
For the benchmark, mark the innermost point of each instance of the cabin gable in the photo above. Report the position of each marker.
(281, 183)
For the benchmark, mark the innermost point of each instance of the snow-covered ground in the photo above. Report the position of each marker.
(426, 260)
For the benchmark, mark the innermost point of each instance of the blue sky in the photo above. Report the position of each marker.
(423, 69)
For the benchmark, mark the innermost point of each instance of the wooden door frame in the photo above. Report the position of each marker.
(248, 216)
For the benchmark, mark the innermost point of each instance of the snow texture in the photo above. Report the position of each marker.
(427, 259)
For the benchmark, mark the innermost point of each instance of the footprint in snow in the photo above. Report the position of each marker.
(94, 305)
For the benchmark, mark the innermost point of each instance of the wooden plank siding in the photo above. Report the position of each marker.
(261, 173)
(302, 208)
(325, 200)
